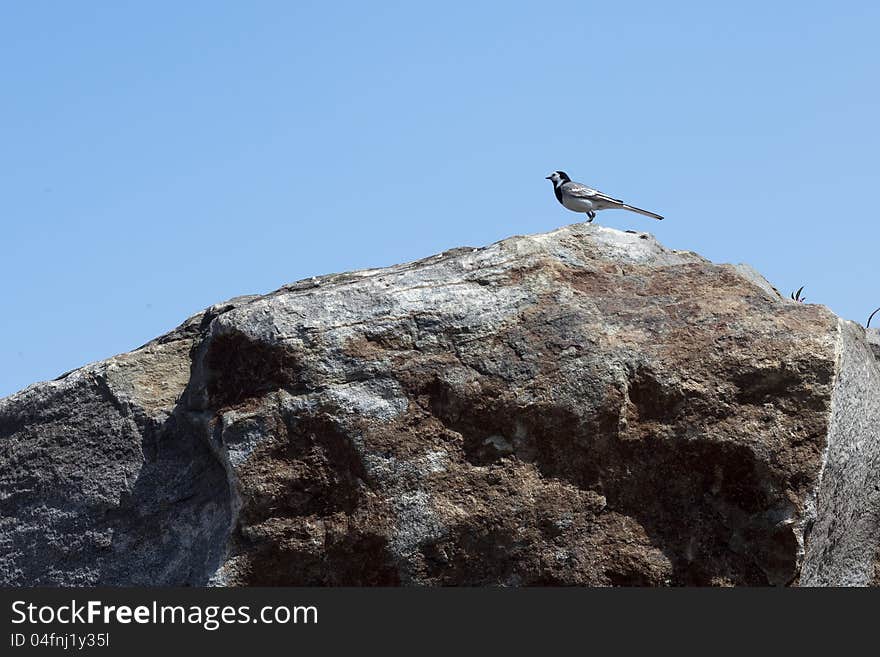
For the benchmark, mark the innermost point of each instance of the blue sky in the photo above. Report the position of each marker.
(158, 157)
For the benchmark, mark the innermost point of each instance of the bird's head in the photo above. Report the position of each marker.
(558, 177)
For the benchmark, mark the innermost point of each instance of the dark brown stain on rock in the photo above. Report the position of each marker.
(240, 369)
(305, 511)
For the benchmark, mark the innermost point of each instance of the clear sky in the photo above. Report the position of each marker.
(158, 157)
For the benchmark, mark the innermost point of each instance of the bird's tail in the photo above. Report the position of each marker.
(640, 211)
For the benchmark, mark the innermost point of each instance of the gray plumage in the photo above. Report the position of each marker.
(579, 198)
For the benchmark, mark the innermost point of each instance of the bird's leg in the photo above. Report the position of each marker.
(591, 215)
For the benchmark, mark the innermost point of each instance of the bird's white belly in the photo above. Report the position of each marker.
(578, 204)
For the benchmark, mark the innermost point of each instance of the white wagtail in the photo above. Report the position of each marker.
(580, 198)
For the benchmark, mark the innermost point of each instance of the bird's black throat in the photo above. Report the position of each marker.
(557, 189)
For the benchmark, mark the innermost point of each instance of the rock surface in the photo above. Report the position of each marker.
(874, 340)
(579, 407)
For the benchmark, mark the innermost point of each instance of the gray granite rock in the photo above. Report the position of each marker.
(578, 407)
(843, 538)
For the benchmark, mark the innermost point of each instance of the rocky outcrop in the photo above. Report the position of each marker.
(581, 407)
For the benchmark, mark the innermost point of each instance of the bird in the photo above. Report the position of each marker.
(580, 198)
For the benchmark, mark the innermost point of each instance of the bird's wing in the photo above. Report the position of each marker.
(582, 191)
(602, 201)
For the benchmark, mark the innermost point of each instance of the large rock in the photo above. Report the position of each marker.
(580, 407)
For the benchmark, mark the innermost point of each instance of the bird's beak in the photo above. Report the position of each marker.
(547, 177)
